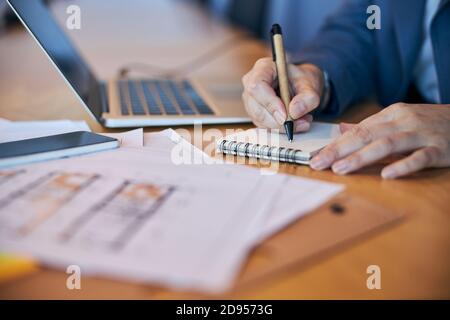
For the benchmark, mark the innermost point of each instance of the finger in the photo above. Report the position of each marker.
(264, 70)
(259, 84)
(379, 149)
(303, 124)
(351, 141)
(260, 116)
(265, 95)
(307, 85)
(421, 159)
(305, 77)
(300, 125)
(385, 115)
(305, 101)
(344, 127)
(268, 66)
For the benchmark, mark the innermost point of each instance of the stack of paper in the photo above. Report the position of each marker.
(133, 213)
(10, 266)
(21, 130)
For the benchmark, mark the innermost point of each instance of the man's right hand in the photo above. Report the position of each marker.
(267, 110)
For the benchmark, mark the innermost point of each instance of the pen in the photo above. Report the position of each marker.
(279, 57)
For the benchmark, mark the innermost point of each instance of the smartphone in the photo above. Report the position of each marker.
(53, 147)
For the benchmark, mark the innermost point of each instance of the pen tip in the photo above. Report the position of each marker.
(289, 128)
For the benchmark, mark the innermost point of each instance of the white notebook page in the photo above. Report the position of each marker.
(320, 135)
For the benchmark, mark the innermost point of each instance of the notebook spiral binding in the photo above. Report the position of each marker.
(262, 152)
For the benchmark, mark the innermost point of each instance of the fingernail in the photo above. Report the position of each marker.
(341, 167)
(279, 117)
(388, 174)
(318, 163)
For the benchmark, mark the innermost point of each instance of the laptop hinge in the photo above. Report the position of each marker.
(104, 97)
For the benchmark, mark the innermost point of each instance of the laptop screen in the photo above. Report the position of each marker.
(38, 19)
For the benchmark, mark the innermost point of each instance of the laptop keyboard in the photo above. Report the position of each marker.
(160, 97)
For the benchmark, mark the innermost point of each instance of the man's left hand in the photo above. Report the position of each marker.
(423, 131)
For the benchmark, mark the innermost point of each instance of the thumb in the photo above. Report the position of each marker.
(303, 103)
(308, 84)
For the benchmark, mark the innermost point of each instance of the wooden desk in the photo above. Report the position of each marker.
(414, 256)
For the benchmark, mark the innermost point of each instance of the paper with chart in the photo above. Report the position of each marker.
(133, 214)
(177, 229)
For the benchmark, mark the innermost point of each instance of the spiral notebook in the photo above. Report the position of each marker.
(272, 145)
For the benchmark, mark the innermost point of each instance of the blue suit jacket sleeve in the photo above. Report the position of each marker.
(344, 48)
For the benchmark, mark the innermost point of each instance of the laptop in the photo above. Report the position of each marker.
(123, 102)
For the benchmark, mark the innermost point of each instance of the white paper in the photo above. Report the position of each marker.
(83, 214)
(296, 197)
(132, 213)
(130, 139)
(21, 130)
(4, 121)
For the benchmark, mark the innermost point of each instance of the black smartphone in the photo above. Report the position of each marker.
(53, 147)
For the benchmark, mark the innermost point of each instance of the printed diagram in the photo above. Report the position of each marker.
(5, 176)
(27, 208)
(114, 220)
(110, 222)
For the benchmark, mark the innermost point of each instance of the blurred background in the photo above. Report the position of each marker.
(147, 38)
(299, 18)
